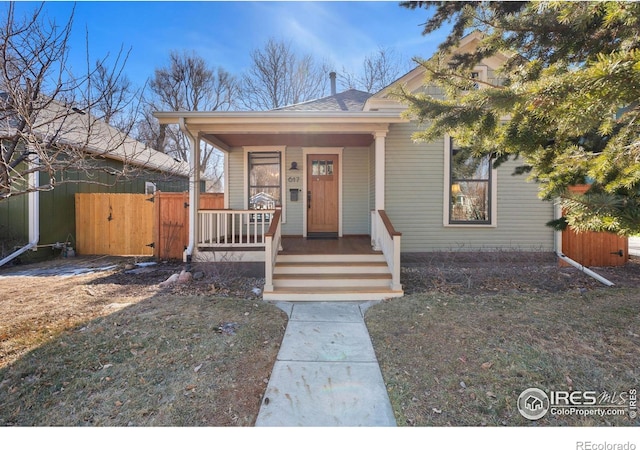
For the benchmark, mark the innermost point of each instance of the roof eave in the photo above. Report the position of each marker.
(169, 117)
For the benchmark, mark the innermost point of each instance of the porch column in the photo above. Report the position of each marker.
(194, 194)
(379, 175)
(380, 168)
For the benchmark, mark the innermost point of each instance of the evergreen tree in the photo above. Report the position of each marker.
(566, 102)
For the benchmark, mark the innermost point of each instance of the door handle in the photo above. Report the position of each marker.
(308, 199)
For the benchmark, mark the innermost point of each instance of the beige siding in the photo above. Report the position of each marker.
(355, 191)
(415, 195)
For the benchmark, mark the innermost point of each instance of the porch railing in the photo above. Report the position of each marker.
(387, 239)
(273, 244)
(233, 228)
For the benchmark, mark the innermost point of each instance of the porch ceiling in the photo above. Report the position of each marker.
(291, 139)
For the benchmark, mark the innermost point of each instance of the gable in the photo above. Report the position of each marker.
(413, 81)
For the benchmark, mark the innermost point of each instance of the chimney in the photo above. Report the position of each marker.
(332, 76)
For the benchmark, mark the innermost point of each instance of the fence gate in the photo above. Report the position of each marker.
(114, 224)
(594, 249)
(172, 221)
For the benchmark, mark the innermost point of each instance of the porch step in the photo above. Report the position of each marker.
(324, 258)
(329, 267)
(324, 294)
(344, 277)
(343, 280)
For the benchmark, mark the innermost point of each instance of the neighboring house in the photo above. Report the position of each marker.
(346, 166)
(45, 220)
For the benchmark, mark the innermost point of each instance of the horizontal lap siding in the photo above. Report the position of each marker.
(413, 198)
(236, 179)
(355, 191)
(414, 202)
(522, 216)
(293, 225)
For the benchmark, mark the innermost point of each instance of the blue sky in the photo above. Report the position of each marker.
(225, 33)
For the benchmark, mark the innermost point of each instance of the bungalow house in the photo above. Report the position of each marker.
(352, 193)
(46, 219)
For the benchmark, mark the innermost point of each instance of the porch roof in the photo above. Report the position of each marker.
(226, 130)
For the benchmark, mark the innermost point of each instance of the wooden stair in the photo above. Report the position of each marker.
(353, 277)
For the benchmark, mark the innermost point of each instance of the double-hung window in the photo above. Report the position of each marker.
(470, 189)
(265, 184)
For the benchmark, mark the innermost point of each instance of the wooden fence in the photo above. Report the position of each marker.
(136, 224)
(114, 224)
(594, 249)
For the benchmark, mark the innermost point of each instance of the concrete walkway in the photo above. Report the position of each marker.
(326, 373)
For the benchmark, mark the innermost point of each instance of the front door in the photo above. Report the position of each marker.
(322, 195)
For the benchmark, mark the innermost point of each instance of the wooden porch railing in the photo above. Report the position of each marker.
(387, 239)
(233, 228)
(273, 244)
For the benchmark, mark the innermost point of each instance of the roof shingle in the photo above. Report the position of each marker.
(351, 100)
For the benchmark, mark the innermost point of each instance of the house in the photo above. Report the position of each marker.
(533, 403)
(354, 192)
(46, 219)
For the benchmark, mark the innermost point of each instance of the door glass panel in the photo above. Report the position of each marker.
(321, 167)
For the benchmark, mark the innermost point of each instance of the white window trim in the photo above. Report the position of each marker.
(150, 188)
(283, 181)
(483, 72)
(447, 187)
(321, 150)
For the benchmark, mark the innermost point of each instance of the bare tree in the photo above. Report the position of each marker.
(113, 93)
(279, 77)
(187, 83)
(46, 123)
(379, 70)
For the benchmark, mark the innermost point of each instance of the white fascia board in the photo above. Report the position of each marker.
(245, 117)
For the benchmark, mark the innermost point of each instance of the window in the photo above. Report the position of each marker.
(149, 188)
(475, 85)
(319, 167)
(469, 187)
(265, 188)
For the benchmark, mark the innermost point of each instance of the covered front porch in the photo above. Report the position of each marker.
(297, 268)
(291, 177)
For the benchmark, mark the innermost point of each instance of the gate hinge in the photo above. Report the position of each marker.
(152, 245)
(186, 205)
(151, 199)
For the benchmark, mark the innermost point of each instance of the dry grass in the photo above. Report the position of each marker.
(114, 349)
(92, 350)
(462, 360)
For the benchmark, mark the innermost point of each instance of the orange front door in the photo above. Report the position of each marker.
(322, 195)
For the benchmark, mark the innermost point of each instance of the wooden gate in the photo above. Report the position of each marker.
(594, 249)
(172, 221)
(114, 224)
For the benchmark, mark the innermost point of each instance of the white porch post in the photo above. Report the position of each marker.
(380, 150)
(194, 193)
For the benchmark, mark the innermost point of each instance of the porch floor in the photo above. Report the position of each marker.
(347, 245)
